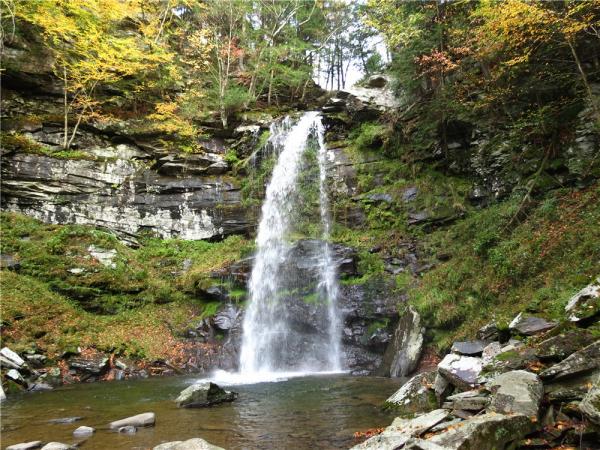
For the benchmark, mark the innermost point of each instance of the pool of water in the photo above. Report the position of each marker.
(313, 412)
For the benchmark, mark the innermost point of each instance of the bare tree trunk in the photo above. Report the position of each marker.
(66, 109)
(585, 80)
(270, 87)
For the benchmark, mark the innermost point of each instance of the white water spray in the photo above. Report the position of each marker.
(271, 347)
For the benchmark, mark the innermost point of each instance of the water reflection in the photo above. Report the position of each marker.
(311, 412)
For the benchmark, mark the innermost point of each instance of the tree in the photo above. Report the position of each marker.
(91, 49)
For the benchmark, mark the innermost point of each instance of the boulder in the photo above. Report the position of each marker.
(490, 351)
(377, 81)
(585, 304)
(216, 292)
(57, 446)
(470, 400)
(190, 444)
(468, 348)
(141, 420)
(128, 429)
(488, 431)
(568, 389)
(488, 332)
(226, 318)
(584, 360)
(94, 365)
(590, 405)
(421, 444)
(416, 396)
(442, 388)
(516, 392)
(8, 358)
(401, 430)
(204, 393)
(559, 347)
(13, 374)
(83, 431)
(461, 371)
(2, 394)
(404, 352)
(40, 386)
(530, 326)
(511, 357)
(31, 445)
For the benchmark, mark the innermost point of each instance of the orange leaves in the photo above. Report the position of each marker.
(436, 64)
(368, 433)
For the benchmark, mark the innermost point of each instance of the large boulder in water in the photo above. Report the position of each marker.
(204, 393)
(141, 420)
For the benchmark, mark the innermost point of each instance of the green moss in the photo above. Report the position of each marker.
(500, 268)
(20, 143)
(36, 316)
(369, 136)
(210, 309)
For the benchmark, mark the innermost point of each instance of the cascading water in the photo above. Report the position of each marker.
(271, 343)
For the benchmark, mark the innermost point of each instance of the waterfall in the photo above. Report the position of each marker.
(271, 344)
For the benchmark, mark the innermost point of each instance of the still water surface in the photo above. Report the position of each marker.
(316, 412)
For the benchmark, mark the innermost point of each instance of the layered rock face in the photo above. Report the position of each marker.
(125, 191)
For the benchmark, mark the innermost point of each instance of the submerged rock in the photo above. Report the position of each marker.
(190, 444)
(141, 420)
(204, 393)
(66, 419)
(83, 431)
(516, 392)
(57, 446)
(31, 445)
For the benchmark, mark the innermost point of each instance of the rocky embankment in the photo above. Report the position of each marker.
(535, 384)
